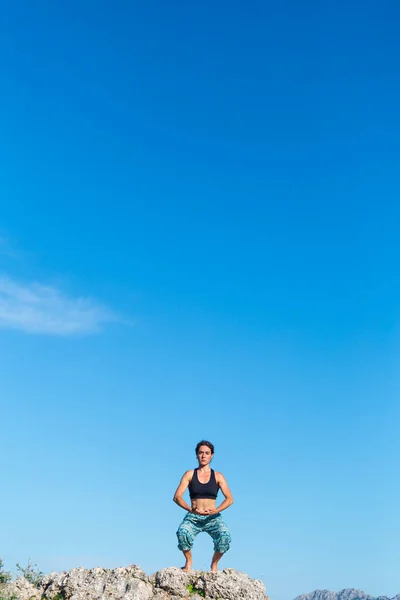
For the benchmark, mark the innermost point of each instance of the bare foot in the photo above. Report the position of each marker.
(187, 568)
(214, 561)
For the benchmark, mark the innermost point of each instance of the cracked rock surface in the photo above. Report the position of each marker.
(131, 583)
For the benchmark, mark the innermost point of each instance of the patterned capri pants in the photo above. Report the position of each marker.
(192, 525)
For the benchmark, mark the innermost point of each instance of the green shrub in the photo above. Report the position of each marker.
(194, 590)
(59, 596)
(5, 576)
(31, 573)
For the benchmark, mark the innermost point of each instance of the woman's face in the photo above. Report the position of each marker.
(204, 456)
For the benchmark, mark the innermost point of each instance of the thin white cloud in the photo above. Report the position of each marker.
(37, 308)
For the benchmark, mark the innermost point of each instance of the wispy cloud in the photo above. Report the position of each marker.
(38, 308)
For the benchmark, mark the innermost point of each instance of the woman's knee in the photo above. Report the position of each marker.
(223, 541)
(185, 539)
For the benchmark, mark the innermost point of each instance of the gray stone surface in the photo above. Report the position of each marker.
(173, 580)
(231, 585)
(131, 583)
(224, 585)
(127, 583)
(20, 588)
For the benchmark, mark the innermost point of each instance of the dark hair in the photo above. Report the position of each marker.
(205, 443)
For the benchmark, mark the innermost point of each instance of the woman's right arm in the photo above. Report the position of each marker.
(181, 489)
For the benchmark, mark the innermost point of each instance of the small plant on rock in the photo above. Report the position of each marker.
(31, 573)
(5, 576)
(192, 589)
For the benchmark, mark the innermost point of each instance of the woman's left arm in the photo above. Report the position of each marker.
(223, 486)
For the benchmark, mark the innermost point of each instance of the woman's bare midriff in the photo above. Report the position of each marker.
(203, 503)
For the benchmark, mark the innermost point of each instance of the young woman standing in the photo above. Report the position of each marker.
(203, 514)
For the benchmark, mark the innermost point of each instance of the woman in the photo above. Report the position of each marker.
(203, 515)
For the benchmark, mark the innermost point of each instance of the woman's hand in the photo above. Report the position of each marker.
(197, 511)
(205, 511)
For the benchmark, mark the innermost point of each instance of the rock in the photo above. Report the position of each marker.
(230, 585)
(174, 580)
(131, 583)
(161, 595)
(127, 583)
(227, 584)
(22, 589)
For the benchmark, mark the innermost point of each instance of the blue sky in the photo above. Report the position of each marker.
(199, 238)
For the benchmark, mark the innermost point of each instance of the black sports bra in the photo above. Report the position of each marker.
(203, 490)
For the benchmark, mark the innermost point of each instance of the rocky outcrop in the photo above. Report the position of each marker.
(20, 588)
(347, 594)
(131, 583)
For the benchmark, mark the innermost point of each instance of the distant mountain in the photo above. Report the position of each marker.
(348, 594)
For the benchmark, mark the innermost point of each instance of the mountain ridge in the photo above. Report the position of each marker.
(345, 594)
